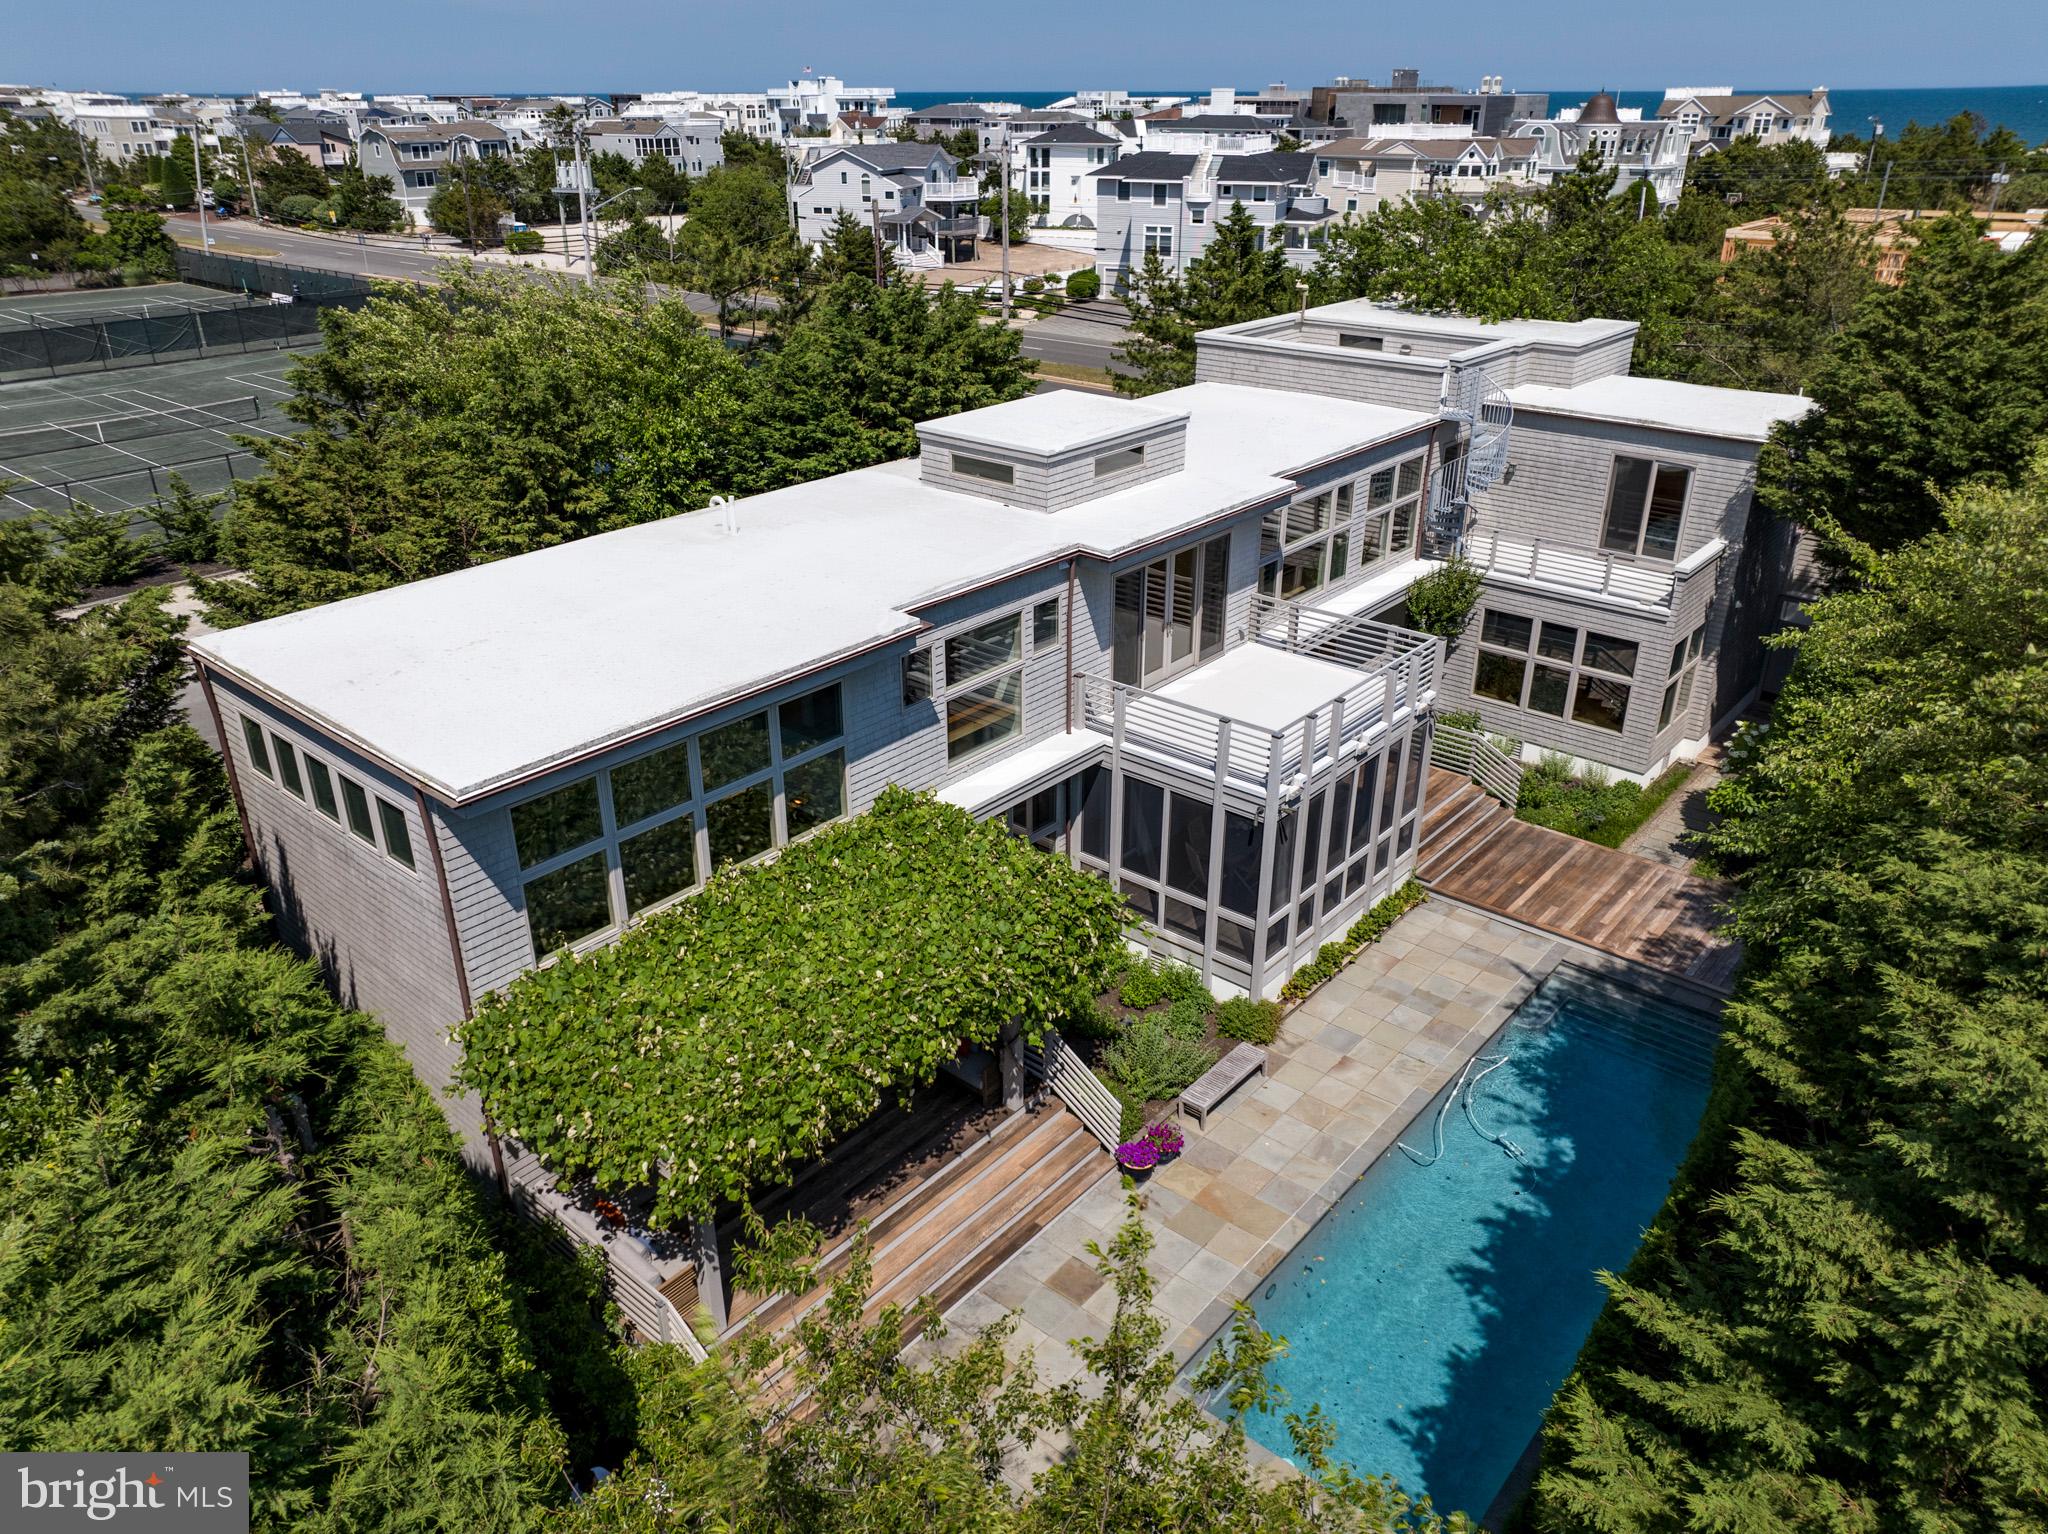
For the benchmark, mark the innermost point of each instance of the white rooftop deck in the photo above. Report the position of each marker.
(1261, 685)
(471, 682)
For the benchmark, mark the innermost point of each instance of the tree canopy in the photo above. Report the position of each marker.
(1937, 382)
(1838, 1320)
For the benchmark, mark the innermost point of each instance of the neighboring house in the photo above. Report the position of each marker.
(689, 144)
(126, 131)
(1717, 115)
(1167, 205)
(324, 142)
(1891, 232)
(416, 156)
(1629, 576)
(1365, 110)
(806, 108)
(1355, 176)
(1055, 169)
(911, 193)
(1176, 132)
(740, 112)
(1640, 151)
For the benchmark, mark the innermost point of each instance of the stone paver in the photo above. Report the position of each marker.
(1352, 1065)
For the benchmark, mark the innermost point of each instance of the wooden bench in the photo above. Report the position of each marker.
(1221, 1079)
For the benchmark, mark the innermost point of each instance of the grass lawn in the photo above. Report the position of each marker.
(1074, 372)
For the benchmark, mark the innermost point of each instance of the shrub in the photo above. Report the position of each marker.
(524, 242)
(1590, 804)
(1461, 719)
(1184, 984)
(1332, 957)
(1441, 602)
(1188, 1018)
(1131, 1110)
(1143, 985)
(1034, 284)
(302, 209)
(1084, 285)
(1098, 1020)
(1256, 1022)
(1148, 1063)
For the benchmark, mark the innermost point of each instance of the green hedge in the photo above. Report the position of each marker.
(1333, 956)
(732, 1037)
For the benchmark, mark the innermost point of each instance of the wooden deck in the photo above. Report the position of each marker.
(1613, 901)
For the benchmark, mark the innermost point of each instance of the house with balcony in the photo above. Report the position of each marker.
(415, 156)
(689, 142)
(1405, 105)
(1225, 133)
(1056, 169)
(1716, 115)
(1151, 203)
(806, 108)
(1629, 576)
(1640, 151)
(1354, 176)
(911, 193)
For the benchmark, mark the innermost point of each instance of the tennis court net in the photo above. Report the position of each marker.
(66, 436)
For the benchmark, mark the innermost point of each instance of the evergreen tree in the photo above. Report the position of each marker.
(851, 249)
(173, 174)
(1838, 1321)
(365, 202)
(1237, 277)
(1933, 384)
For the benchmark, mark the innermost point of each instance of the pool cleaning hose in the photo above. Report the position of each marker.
(1514, 1151)
(1466, 1089)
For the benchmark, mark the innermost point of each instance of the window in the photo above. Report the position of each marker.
(1123, 191)
(1645, 504)
(1045, 624)
(1119, 461)
(917, 677)
(555, 823)
(568, 904)
(984, 468)
(650, 784)
(1168, 613)
(1159, 194)
(357, 805)
(1362, 343)
(288, 766)
(1159, 241)
(252, 736)
(397, 838)
(981, 716)
(1568, 674)
(1198, 215)
(323, 788)
(814, 792)
(659, 863)
(742, 825)
(983, 648)
(810, 721)
(1678, 691)
(733, 751)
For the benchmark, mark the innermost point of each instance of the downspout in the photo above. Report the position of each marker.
(227, 757)
(1069, 682)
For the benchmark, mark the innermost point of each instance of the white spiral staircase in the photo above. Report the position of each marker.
(1480, 408)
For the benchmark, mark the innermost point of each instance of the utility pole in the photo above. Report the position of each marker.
(875, 224)
(583, 208)
(85, 155)
(1642, 201)
(1003, 137)
(249, 176)
(1998, 181)
(1883, 187)
(199, 191)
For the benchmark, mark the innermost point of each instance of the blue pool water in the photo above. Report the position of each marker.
(1435, 1310)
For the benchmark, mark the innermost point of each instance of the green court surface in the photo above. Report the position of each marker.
(111, 440)
(109, 303)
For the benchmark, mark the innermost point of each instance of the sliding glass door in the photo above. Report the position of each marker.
(1169, 612)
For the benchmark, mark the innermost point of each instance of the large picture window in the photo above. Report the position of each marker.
(1553, 668)
(1645, 505)
(1685, 660)
(1169, 613)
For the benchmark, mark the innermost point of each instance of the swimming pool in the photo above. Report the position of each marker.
(1436, 1308)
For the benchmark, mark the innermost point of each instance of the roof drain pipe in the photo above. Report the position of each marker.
(1070, 643)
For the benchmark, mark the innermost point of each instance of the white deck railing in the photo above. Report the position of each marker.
(1476, 757)
(1078, 1087)
(1584, 570)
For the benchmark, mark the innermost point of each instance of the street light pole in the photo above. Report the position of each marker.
(249, 175)
(198, 191)
(583, 210)
(1003, 138)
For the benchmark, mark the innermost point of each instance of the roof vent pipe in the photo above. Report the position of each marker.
(728, 512)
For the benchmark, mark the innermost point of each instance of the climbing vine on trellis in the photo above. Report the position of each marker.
(726, 1040)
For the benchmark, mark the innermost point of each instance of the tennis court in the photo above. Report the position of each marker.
(112, 443)
(111, 303)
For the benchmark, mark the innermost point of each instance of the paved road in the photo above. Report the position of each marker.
(1085, 335)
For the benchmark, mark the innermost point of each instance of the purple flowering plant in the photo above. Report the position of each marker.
(1170, 1140)
(1137, 1155)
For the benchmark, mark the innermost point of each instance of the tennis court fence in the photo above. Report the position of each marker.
(137, 492)
(274, 306)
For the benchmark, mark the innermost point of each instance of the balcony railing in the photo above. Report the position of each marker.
(1397, 676)
(952, 191)
(1584, 570)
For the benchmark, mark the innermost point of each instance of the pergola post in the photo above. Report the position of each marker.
(714, 1284)
(1010, 1061)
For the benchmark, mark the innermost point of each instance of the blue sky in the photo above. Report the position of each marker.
(454, 45)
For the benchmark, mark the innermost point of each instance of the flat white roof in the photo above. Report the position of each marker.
(1363, 311)
(1745, 415)
(470, 682)
(1262, 685)
(1060, 422)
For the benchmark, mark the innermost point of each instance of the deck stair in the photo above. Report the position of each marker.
(942, 1233)
(1460, 819)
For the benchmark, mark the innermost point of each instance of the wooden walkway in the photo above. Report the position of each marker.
(1613, 901)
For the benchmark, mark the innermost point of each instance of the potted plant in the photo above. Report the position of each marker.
(1166, 1139)
(1137, 1157)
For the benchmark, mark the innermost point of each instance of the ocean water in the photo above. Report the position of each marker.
(1437, 1307)
(2022, 108)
